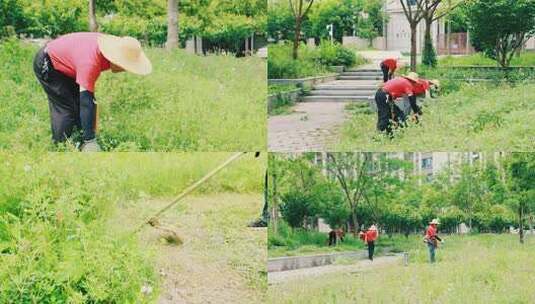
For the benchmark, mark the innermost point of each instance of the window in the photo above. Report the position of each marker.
(411, 2)
(427, 163)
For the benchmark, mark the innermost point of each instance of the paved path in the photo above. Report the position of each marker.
(314, 126)
(304, 273)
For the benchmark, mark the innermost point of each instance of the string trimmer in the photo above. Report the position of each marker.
(154, 220)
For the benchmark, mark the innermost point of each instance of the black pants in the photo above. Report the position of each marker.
(63, 97)
(387, 111)
(386, 73)
(371, 249)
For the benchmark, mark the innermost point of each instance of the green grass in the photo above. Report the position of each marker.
(475, 118)
(280, 88)
(469, 269)
(478, 59)
(55, 244)
(188, 103)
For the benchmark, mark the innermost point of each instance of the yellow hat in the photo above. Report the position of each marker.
(125, 52)
(411, 76)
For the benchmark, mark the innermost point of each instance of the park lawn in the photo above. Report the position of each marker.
(475, 118)
(65, 236)
(478, 59)
(188, 103)
(469, 269)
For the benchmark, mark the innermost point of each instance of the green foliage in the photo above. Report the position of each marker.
(282, 65)
(57, 238)
(525, 59)
(389, 192)
(11, 17)
(311, 62)
(344, 15)
(202, 97)
(449, 122)
(429, 55)
(499, 27)
(333, 54)
(151, 31)
(493, 268)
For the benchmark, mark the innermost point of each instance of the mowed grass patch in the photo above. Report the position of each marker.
(55, 245)
(189, 102)
(477, 117)
(470, 269)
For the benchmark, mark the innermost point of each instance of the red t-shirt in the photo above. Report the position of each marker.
(391, 63)
(78, 56)
(371, 235)
(430, 233)
(398, 87)
(421, 86)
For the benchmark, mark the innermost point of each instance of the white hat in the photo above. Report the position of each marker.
(373, 227)
(434, 222)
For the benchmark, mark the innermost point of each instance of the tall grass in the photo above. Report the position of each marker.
(469, 269)
(477, 117)
(478, 59)
(189, 102)
(54, 208)
(292, 242)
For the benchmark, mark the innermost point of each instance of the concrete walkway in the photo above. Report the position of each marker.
(314, 126)
(304, 273)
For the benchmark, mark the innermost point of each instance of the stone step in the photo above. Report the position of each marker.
(360, 77)
(359, 73)
(351, 87)
(378, 70)
(342, 93)
(337, 98)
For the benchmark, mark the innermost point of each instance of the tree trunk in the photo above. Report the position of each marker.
(355, 221)
(413, 46)
(275, 204)
(93, 25)
(297, 38)
(172, 24)
(521, 224)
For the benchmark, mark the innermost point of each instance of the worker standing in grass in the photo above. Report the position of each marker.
(369, 237)
(68, 68)
(388, 112)
(431, 239)
(388, 67)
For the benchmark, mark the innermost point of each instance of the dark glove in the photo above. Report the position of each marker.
(415, 108)
(88, 111)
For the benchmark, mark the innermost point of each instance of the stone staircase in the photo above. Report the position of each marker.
(355, 85)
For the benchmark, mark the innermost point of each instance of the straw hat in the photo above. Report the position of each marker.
(434, 222)
(435, 82)
(373, 227)
(411, 76)
(125, 52)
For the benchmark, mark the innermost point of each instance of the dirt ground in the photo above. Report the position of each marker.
(221, 260)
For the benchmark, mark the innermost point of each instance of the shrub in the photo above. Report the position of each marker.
(335, 54)
(429, 56)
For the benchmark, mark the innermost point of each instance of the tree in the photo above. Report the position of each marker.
(414, 15)
(351, 172)
(433, 10)
(500, 27)
(521, 172)
(300, 9)
(93, 25)
(172, 24)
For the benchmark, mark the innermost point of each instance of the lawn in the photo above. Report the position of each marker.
(474, 118)
(189, 102)
(469, 269)
(66, 221)
(478, 59)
